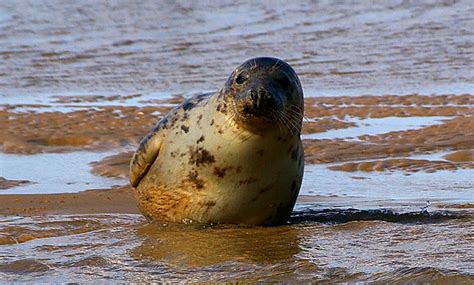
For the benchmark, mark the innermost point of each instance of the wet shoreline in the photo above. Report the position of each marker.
(129, 245)
(356, 150)
(361, 134)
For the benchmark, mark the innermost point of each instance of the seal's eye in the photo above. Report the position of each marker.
(242, 78)
(284, 81)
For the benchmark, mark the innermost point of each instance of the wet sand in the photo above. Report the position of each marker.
(110, 127)
(6, 184)
(106, 127)
(119, 200)
(116, 126)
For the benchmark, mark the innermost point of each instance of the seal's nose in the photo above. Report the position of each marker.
(260, 98)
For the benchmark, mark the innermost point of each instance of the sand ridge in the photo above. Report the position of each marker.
(116, 127)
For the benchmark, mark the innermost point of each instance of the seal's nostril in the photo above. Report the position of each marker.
(256, 98)
(261, 98)
(253, 95)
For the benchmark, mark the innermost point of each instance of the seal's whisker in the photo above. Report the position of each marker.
(281, 124)
(273, 67)
(277, 65)
(285, 123)
(291, 127)
(277, 119)
(296, 121)
(295, 114)
(296, 109)
(230, 121)
(294, 126)
(299, 108)
(290, 123)
(238, 133)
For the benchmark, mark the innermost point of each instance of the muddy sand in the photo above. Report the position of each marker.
(118, 200)
(106, 127)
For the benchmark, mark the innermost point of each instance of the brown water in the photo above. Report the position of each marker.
(80, 51)
(423, 248)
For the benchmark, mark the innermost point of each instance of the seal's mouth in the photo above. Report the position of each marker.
(261, 111)
(251, 111)
(259, 102)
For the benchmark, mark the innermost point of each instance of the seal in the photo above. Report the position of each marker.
(233, 156)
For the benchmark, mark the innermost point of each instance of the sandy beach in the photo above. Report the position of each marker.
(119, 200)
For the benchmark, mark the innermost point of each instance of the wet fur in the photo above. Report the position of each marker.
(215, 164)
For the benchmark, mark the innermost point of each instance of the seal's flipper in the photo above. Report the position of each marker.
(144, 157)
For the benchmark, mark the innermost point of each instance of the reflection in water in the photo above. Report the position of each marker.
(126, 247)
(196, 247)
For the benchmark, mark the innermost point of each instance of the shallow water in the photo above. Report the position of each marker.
(384, 188)
(391, 47)
(125, 247)
(55, 172)
(375, 126)
(53, 52)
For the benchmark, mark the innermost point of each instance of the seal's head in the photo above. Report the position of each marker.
(265, 92)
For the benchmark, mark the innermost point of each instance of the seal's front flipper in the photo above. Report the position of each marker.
(144, 157)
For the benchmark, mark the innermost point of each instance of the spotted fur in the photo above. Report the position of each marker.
(233, 156)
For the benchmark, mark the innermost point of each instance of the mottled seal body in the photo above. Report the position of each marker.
(234, 156)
